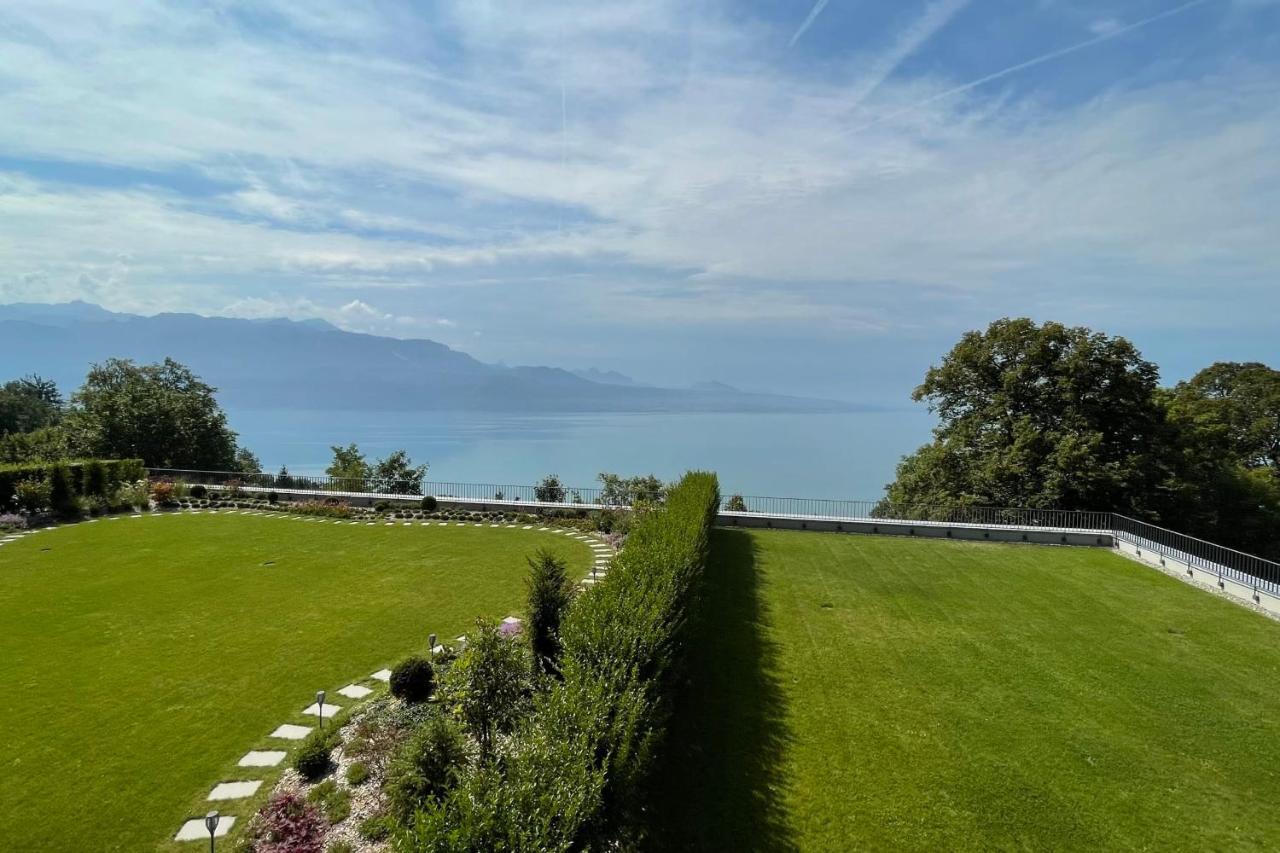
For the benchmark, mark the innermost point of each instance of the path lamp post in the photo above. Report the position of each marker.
(320, 707)
(211, 824)
(431, 644)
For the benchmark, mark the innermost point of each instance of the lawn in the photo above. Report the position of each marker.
(853, 692)
(141, 658)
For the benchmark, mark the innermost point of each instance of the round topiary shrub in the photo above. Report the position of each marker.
(429, 503)
(413, 679)
(312, 760)
(273, 498)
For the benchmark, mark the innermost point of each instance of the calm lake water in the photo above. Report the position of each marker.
(823, 456)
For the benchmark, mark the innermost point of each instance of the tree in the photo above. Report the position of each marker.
(1237, 406)
(550, 591)
(161, 413)
(348, 464)
(246, 462)
(488, 685)
(1039, 416)
(29, 404)
(629, 491)
(1227, 419)
(397, 475)
(550, 490)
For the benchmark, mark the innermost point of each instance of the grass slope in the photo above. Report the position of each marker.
(140, 658)
(883, 693)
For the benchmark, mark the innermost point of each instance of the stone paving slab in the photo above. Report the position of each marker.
(193, 830)
(262, 758)
(382, 675)
(292, 732)
(234, 790)
(355, 691)
(314, 710)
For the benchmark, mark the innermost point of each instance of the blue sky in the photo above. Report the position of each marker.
(814, 197)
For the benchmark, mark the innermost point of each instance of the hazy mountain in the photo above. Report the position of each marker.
(605, 377)
(314, 365)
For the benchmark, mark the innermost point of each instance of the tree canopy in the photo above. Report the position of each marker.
(29, 404)
(1068, 418)
(160, 413)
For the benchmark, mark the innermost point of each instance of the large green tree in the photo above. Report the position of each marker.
(1039, 416)
(161, 413)
(1227, 419)
(29, 404)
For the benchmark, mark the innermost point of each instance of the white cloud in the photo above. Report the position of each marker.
(684, 151)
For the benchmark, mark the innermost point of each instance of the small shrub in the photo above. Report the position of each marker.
(287, 824)
(427, 768)
(382, 506)
(232, 489)
(413, 679)
(550, 591)
(198, 491)
(334, 802)
(375, 828)
(273, 498)
(162, 492)
(550, 490)
(9, 521)
(489, 685)
(313, 759)
(735, 503)
(31, 496)
(328, 509)
(357, 773)
(429, 504)
(136, 495)
(340, 847)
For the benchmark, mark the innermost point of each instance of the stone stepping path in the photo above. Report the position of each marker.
(329, 710)
(382, 675)
(234, 790)
(262, 758)
(291, 732)
(355, 691)
(194, 829)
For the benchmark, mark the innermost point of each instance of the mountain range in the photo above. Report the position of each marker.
(311, 364)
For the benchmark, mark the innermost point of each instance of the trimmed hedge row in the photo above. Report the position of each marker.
(575, 775)
(86, 476)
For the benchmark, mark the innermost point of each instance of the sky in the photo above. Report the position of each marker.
(813, 197)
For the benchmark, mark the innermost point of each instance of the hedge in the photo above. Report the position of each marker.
(575, 775)
(87, 476)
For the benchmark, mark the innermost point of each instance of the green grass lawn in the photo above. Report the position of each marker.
(140, 658)
(884, 693)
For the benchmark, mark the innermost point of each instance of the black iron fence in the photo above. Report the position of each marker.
(1227, 563)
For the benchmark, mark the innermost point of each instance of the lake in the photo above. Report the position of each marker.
(850, 455)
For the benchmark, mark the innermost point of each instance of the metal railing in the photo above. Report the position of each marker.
(820, 508)
(1253, 571)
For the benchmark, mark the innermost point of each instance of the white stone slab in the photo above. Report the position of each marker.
(314, 710)
(234, 790)
(292, 732)
(382, 675)
(528, 527)
(355, 691)
(511, 620)
(193, 830)
(262, 758)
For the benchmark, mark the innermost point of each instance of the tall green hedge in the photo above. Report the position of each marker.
(85, 476)
(575, 775)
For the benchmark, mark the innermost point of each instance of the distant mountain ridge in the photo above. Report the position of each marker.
(312, 364)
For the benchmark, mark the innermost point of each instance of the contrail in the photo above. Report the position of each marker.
(1031, 63)
(935, 16)
(808, 22)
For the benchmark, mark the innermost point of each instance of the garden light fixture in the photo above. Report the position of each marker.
(320, 706)
(211, 824)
